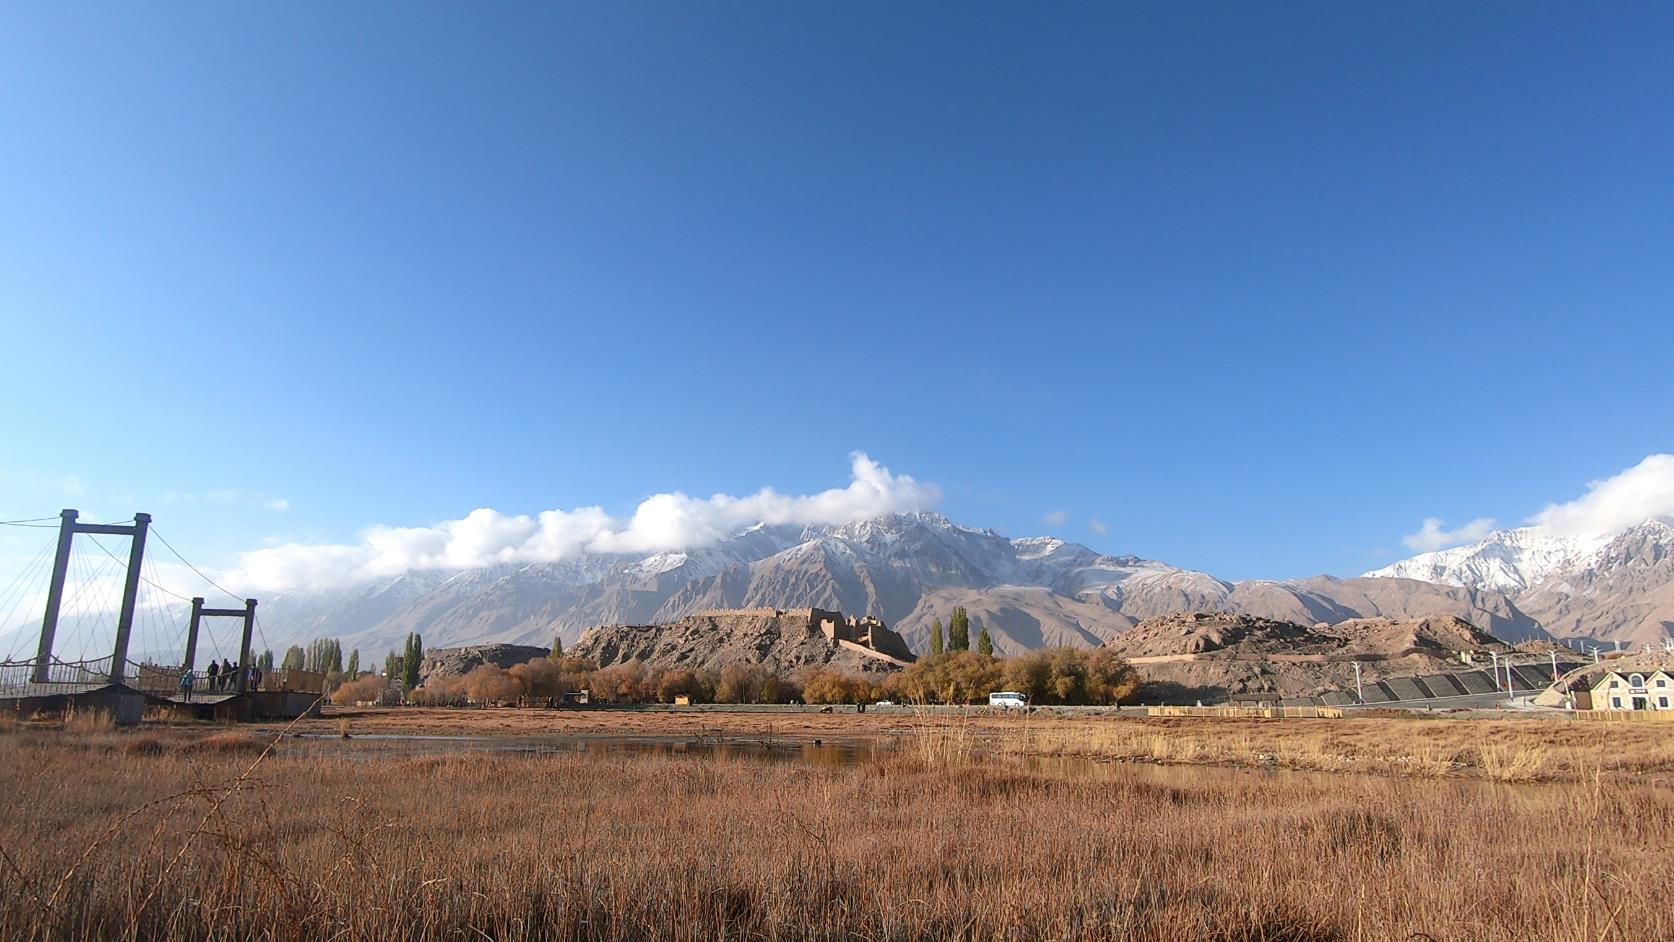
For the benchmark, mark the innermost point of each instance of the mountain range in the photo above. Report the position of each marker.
(1616, 587)
(1031, 592)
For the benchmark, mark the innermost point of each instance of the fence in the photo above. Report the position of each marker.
(1290, 712)
(21, 673)
(1607, 716)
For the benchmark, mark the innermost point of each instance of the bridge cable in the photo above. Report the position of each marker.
(195, 569)
(21, 586)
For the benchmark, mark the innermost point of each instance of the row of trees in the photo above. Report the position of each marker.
(1051, 676)
(959, 635)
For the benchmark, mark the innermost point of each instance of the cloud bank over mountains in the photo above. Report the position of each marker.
(1431, 536)
(667, 522)
(1640, 493)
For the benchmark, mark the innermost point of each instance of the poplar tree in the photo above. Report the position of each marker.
(557, 647)
(985, 644)
(959, 631)
(294, 658)
(936, 637)
(410, 660)
(354, 663)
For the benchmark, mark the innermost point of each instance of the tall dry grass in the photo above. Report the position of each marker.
(1507, 750)
(340, 843)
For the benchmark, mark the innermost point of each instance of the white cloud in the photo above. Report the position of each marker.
(278, 505)
(1641, 492)
(1635, 495)
(1098, 526)
(662, 522)
(71, 486)
(1056, 518)
(1431, 536)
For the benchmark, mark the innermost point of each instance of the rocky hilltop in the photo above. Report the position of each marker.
(781, 641)
(457, 662)
(1211, 656)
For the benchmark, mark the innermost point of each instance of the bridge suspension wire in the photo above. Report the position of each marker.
(88, 611)
(145, 566)
(195, 569)
(18, 592)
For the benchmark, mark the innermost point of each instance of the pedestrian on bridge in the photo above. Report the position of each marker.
(227, 678)
(214, 682)
(186, 685)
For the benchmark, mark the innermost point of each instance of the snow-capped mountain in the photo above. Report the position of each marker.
(1613, 587)
(908, 569)
(1507, 560)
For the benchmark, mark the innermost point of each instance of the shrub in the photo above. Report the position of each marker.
(369, 687)
(491, 684)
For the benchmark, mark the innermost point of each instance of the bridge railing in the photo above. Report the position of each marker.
(58, 673)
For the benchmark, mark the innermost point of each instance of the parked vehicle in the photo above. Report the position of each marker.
(1009, 700)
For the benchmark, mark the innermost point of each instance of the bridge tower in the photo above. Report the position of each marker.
(67, 530)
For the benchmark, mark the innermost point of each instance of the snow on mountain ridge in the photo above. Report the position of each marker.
(1519, 559)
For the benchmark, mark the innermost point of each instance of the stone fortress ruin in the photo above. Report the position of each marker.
(866, 635)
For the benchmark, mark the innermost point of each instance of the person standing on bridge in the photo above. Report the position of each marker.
(186, 685)
(214, 679)
(227, 681)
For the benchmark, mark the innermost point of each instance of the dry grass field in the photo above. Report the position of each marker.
(1522, 750)
(1535, 749)
(193, 834)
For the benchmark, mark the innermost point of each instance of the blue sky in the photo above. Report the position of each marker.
(1257, 288)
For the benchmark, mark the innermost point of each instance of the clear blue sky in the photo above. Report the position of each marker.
(1259, 286)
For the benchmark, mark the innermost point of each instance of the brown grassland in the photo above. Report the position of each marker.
(194, 834)
(1536, 749)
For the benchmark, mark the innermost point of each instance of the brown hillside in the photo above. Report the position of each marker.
(1211, 656)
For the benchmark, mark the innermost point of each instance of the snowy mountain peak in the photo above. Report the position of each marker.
(1516, 560)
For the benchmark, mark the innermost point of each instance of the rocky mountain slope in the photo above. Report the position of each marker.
(457, 662)
(907, 569)
(1615, 587)
(783, 643)
(1212, 656)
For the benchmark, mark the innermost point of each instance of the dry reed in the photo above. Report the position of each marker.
(341, 843)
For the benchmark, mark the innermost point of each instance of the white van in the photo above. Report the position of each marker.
(1009, 700)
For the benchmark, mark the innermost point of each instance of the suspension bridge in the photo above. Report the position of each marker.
(113, 638)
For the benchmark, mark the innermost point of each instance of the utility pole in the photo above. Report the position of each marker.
(1554, 665)
(1359, 691)
(1496, 656)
